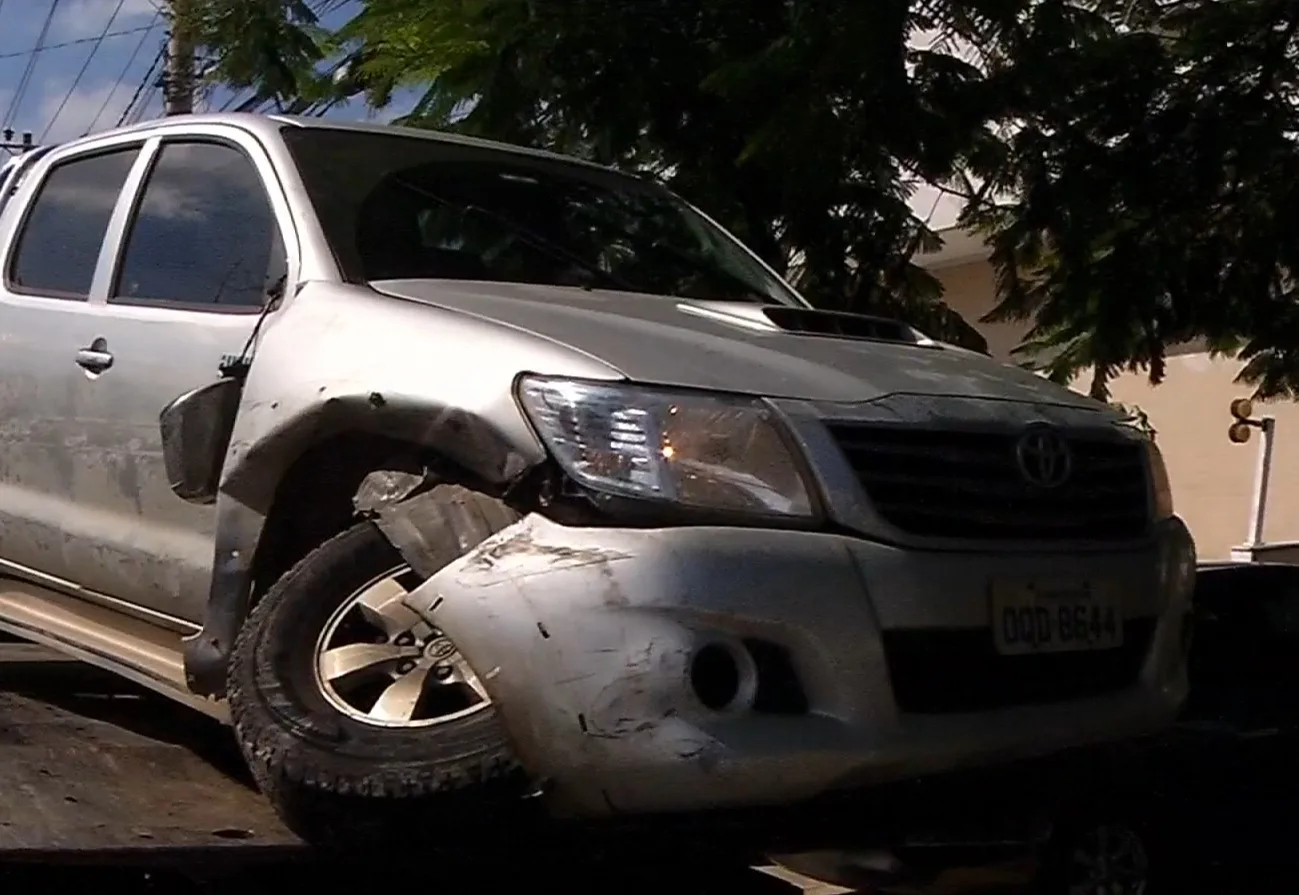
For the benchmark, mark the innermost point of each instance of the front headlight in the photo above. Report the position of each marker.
(1160, 487)
(716, 452)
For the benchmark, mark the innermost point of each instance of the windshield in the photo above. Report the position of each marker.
(400, 207)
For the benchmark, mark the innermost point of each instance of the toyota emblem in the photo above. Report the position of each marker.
(1044, 457)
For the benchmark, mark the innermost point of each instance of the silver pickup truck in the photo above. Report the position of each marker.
(444, 469)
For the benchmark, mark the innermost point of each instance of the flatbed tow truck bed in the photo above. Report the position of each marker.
(101, 779)
(96, 773)
(92, 767)
(100, 774)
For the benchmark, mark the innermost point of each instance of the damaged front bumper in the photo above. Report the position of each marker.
(677, 670)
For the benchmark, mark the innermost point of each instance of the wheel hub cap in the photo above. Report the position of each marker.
(439, 650)
(1109, 860)
(380, 663)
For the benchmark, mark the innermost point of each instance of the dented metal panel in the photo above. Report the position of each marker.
(341, 359)
(586, 638)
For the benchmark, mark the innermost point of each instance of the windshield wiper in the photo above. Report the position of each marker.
(528, 235)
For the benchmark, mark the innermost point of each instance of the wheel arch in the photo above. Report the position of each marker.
(331, 483)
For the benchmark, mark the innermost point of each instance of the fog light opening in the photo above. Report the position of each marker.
(716, 677)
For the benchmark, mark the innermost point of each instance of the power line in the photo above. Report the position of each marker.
(144, 113)
(2, 9)
(80, 40)
(16, 101)
(235, 96)
(18, 148)
(84, 66)
(125, 69)
(143, 104)
(148, 77)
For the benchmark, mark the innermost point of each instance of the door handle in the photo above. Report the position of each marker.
(95, 359)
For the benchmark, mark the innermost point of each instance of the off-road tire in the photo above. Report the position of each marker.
(1054, 873)
(335, 779)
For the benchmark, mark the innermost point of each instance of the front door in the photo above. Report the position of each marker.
(199, 255)
(54, 228)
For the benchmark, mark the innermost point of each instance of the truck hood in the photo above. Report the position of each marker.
(731, 346)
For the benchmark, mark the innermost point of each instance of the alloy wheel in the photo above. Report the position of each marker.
(378, 662)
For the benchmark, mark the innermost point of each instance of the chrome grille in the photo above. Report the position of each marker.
(968, 485)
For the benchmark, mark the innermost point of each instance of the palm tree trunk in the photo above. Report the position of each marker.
(178, 81)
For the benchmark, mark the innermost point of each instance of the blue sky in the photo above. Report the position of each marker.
(109, 84)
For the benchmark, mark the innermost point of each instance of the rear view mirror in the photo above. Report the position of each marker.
(196, 431)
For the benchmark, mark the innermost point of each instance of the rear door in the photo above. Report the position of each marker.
(204, 244)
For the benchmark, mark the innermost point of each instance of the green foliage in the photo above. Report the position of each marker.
(1137, 418)
(272, 45)
(1152, 163)
(765, 113)
(1132, 163)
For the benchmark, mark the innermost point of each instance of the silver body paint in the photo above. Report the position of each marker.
(600, 705)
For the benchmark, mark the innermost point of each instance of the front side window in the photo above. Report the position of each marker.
(396, 207)
(58, 246)
(204, 234)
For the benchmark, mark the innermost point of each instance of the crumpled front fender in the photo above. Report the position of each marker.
(567, 680)
(585, 639)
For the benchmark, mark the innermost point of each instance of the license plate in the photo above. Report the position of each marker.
(1037, 617)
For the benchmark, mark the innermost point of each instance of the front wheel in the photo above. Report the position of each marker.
(1100, 856)
(351, 710)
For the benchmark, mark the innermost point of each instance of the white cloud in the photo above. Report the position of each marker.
(78, 19)
(82, 106)
(95, 67)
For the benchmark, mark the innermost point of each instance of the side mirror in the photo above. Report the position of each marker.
(196, 430)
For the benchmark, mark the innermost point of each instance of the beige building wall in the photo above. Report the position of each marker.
(1212, 478)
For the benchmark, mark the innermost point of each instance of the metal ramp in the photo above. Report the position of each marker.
(99, 773)
(101, 779)
(93, 767)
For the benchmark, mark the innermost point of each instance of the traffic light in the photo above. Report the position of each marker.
(1243, 410)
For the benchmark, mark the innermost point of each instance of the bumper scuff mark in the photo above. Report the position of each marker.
(491, 558)
(594, 632)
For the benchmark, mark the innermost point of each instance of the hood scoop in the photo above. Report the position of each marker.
(841, 324)
(808, 322)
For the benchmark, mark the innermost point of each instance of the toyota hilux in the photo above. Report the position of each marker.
(448, 469)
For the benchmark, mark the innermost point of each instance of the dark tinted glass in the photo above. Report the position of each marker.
(204, 233)
(396, 207)
(60, 241)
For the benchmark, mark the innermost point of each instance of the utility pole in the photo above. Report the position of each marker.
(178, 81)
(8, 144)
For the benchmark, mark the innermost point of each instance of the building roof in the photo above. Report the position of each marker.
(960, 246)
